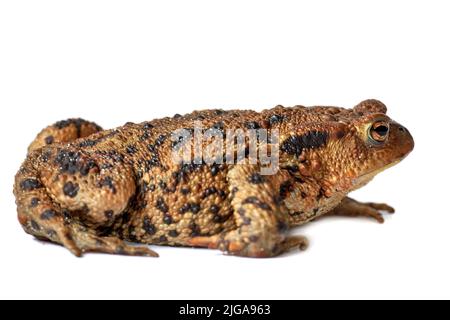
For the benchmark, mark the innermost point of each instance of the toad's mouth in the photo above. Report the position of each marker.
(367, 177)
(373, 173)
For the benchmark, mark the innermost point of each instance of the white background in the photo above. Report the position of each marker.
(119, 61)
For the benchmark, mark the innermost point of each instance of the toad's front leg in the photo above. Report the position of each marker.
(352, 208)
(261, 218)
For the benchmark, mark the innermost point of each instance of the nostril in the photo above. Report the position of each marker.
(401, 129)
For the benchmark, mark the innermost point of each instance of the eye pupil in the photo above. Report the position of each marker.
(381, 130)
(378, 132)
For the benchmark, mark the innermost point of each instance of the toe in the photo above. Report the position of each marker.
(382, 207)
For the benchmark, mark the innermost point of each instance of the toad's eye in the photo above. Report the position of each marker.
(379, 131)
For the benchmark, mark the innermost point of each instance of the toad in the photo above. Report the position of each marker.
(95, 190)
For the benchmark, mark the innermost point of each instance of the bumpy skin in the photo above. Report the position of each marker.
(97, 190)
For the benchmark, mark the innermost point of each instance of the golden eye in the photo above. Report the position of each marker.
(379, 131)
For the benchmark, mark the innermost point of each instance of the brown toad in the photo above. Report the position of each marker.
(96, 190)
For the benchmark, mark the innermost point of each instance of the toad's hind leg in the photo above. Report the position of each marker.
(64, 131)
(44, 218)
(78, 190)
(261, 219)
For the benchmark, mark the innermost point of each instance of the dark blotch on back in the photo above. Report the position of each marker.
(49, 140)
(48, 214)
(109, 214)
(161, 205)
(173, 233)
(108, 182)
(274, 119)
(294, 145)
(68, 161)
(30, 184)
(256, 202)
(34, 202)
(252, 125)
(148, 226)
(256, 178)
(70, 189)
(76, 122)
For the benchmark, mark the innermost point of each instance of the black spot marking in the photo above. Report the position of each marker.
(282, 226)
(292, 169)
(148, 226)
(177, 116)
(163, 239)
(108, 182)
(160, 140)
(222, 194)
(153, 162)
(185, 190)
(35, 225)
(68, 161)
(241, 211)
(109, 214)
(131, 149)
(256, 178)
(88, 143)
(144, 136)
(195, 229)
(173, 233)
(148, 126)
(190, 207)
(294, 145)
(151, 148)
(215, 168)
(209, 191)
(51, 233)
(340, 134)
(46, 156)
(185, 208)
(256, 202)
(30, 184)
(48, 214)
(214, 209)
(70, 189)
(76, 122)
(218, 126)
(161, 205)
(162, 185)
(252, 125)
(151, 187)
(285, 189)
(246, 221)
(49, 140)
(167, 219)
(195, 208)
(90, 164)
(34, 202)
(274, 119)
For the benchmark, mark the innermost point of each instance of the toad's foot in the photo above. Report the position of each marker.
(352, 208)
(84, 241)
(79, 240)
(234, 244)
